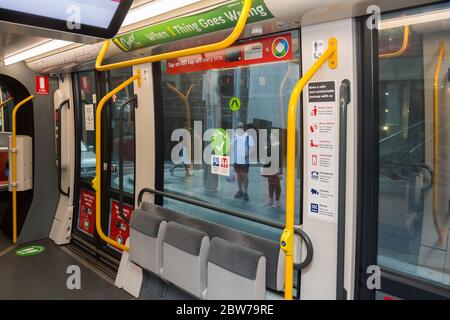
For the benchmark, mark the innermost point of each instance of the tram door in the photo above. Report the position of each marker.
(117, 160)
(412, 243)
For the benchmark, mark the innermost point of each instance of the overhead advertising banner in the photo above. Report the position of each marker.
(217, 19)
(264, 50)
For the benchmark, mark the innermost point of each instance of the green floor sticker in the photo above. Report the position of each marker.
(29, 251)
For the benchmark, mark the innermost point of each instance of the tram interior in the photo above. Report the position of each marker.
(154, 134)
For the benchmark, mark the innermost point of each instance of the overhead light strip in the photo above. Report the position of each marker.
(153, 9)
(138, 14)
(415, 19)
(36, 50)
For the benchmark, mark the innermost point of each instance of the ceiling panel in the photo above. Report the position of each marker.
(11, 43)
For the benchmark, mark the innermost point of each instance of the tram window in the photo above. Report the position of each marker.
(88, 100)
(414, 166)
(245, 91)
(116, 77)
(4, 96)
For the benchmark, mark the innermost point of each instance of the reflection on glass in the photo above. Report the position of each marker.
(414, 203)
(88, 101)
(248, 101)
(122, 113)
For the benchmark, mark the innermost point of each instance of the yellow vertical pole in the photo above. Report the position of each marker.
(14, 163)
(287, 239)
(441, 56)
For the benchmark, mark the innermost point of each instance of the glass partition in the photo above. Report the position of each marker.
(414, 188)
(225, 129)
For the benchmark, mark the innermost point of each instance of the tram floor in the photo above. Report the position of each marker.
(4, 242)
(48, 275)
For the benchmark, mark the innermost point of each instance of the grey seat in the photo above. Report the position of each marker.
(185, 253)
(271, 249)
(147, 233)
(235, 272)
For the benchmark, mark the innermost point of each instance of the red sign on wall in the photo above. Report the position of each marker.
(42, 86)
(265, 50)
(119, 229)
(86, 216)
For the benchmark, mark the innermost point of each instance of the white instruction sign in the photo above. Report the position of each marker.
(220, 165)
(318, 49)
(322, 156)
(89, 121)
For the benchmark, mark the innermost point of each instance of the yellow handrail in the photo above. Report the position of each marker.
(287, 239)
(96, 182)
(14, 163)
(4, 103)
(240, 25)
(402, 50)
(441, 56)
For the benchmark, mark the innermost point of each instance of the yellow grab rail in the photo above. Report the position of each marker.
(240, 25)
(441, 56)
(14, 163)
(96, 182)
(4, 103)
(287, 239)
(402, 50)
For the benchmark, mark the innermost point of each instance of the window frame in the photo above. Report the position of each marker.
(395, 284)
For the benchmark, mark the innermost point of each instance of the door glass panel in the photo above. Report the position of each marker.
(240, 94)
(127, 113)
(5, 112)
(414, 201)
(87, 98)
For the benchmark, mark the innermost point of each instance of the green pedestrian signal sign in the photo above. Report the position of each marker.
(220, 142)
(235, 104)
(29, 251)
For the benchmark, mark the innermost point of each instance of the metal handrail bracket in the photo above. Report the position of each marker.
(59, 146)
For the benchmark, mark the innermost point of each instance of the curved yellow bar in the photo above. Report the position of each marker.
(437, 71)
(4, 103)
(96, 183)
(402, 50)
(14, 163)
(180, 53)
(287, 239)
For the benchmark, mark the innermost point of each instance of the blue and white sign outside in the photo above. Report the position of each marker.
(220, 165)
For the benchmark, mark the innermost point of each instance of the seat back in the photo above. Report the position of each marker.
(275, 258)
(185, 252)
(235, 272)
(147, 232)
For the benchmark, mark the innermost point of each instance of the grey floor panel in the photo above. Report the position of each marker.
(44, 276)
(4, 242)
